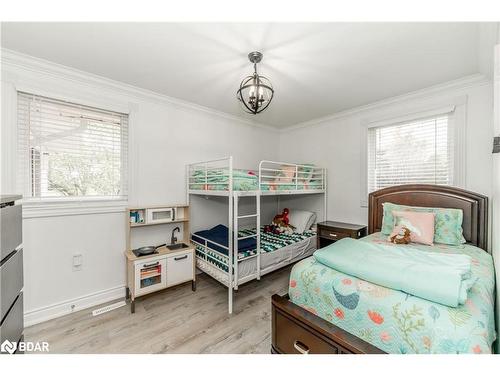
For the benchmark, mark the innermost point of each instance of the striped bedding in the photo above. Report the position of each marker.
(269, 242)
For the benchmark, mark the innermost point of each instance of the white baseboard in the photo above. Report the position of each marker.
(67, 307)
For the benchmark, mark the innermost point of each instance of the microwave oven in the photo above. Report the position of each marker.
(160, 215)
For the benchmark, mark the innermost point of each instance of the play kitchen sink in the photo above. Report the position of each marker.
(177, 246)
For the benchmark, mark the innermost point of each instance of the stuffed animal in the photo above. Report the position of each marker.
(274, 229)
(269, 228)
(402, 237)
(282, 218)
(280, 224)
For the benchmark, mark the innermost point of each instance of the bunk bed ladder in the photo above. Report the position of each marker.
(237, 217)
(230, 249)
(257, 206)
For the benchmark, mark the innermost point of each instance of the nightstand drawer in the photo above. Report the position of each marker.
(334, 235)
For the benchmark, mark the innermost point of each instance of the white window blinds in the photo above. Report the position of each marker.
(68, 150)
(412, 152)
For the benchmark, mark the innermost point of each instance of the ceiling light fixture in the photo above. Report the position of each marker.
(256, 91)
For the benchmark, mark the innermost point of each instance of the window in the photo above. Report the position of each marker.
(71, 151)
(418, 151)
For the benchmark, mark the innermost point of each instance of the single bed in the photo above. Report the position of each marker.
(327, 311)
(394, 321)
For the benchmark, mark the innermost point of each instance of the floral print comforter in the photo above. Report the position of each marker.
(397, 322)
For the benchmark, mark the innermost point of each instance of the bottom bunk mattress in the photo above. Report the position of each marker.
(397, 322)
(275, 249)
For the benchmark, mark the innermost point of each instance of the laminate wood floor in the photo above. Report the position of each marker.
(175, 320)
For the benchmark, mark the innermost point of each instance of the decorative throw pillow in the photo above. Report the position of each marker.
(448, 226)
(447, 222)
(420, 224)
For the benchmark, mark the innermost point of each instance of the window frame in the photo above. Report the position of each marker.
(456, 109)
(34, 207)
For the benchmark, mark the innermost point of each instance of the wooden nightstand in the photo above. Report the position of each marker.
(331, 231)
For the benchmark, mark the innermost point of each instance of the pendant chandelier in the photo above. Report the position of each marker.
(256, 91)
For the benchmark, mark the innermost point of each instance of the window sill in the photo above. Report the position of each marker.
(49, 208)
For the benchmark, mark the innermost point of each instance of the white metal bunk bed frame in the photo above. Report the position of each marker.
(231, 278)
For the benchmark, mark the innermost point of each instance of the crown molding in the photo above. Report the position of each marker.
(17, 60)
(473, 80)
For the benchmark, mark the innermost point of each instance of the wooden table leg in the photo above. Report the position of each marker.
(193, 285)
(132, 306)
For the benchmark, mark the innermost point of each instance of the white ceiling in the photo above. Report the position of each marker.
(316, 68)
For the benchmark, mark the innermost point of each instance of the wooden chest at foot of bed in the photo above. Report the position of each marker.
(297, 331)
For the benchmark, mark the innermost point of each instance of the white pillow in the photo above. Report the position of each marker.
(301, 220)
(311, 221)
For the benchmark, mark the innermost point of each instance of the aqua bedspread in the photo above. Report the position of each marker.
(403, 268)
(243, 180)
(395, 321)
(217, 179)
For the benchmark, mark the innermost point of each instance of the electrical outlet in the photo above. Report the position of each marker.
(77, 262)
(496, 145)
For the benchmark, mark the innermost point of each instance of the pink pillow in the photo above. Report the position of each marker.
(420, 224)
(286, 174)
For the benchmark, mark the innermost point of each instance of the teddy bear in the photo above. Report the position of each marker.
(402, 237)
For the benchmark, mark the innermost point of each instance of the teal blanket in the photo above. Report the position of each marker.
(441, 278)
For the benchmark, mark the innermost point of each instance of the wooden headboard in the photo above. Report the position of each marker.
(473, 205)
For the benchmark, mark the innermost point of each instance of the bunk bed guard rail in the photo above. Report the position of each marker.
(275, 175)
(201, 174)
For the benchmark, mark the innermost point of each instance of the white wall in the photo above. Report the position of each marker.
(164, 136)
(337, 142)
(496, 183)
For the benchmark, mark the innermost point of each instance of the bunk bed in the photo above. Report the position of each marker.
(234, 255)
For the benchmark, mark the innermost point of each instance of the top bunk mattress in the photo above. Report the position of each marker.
(218, 180)
(397, 322)
(247, 180)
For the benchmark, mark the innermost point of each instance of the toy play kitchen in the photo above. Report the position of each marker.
(152, 268)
